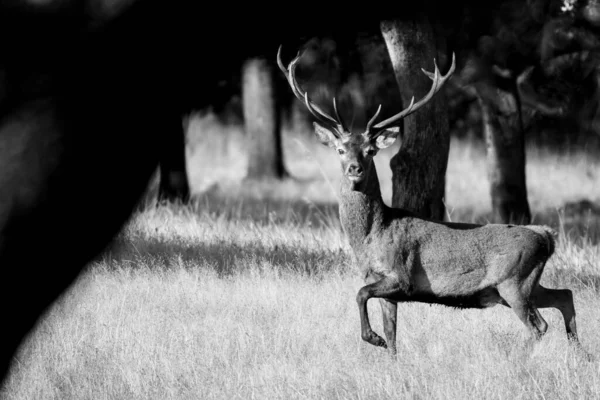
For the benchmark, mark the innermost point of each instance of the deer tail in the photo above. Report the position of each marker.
(548, 233)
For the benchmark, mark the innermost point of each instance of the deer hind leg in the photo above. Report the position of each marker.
(389, 311)
(561, 299)
(386, 287)
(525, 291)
(523, 306)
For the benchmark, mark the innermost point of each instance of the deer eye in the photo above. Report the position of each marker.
(341, 151)
(370, 152)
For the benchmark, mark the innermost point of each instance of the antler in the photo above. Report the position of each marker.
(337, 125)
(437, 84)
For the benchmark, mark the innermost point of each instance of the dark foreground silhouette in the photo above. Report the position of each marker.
(87, 103)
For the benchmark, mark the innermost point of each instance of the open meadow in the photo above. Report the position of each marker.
(249, 293)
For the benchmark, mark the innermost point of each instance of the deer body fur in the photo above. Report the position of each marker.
(456, 264)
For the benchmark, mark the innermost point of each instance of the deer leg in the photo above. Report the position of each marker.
(539, 321)
(531, 317)
(389, 311)
(524, 309)
(386, 287)
(561, 299)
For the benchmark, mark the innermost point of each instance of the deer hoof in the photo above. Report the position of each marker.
(375, 340)
(379, 342)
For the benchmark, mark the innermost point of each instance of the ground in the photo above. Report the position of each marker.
(250, 293)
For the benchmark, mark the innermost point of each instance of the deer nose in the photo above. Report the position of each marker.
(354, 169)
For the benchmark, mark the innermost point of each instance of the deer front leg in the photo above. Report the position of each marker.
(386, 287)
(389, 312)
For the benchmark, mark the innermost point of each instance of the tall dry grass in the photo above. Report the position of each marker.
(249, 293)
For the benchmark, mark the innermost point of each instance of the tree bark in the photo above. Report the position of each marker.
(173, 184)
(419, 167)
(263, 118)
(505, 145)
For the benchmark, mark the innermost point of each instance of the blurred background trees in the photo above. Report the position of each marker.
(527, 72)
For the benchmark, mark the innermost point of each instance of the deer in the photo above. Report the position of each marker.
(404, 257)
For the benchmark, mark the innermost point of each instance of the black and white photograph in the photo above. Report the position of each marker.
(300, 200)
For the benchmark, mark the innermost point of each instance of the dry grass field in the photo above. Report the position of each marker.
(250, 294)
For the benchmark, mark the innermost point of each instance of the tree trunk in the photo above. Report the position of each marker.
(419, 167)
(263, 117)
(173, 184)
(505, 144)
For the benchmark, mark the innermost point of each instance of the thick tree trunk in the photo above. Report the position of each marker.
(419, 167)
(173, 184)
(263, 117)
(505, 144)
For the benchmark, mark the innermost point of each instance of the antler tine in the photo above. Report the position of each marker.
(444, 78)
(438, 83)
(338, 116)
(312, 107)
(288, 73)
(280, 63)
(373, 119)
(314, 111)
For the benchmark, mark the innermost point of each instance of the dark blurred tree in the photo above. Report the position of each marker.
(566, 75)
(534, 68)
(173, 185)
(419, 167)
(500, 55)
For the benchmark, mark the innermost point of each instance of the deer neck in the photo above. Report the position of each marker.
(361, 211)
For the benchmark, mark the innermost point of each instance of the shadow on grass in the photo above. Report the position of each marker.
(228, 259)
(225, 258)
(262, 203)
(578, 222)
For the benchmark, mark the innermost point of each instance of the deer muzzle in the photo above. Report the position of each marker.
(354, 172)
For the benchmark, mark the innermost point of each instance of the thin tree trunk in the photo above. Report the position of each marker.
(173, 177)
(263, 117)
(505, 144)
(419, 167)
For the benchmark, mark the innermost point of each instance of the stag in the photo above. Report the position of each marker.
(407, 258)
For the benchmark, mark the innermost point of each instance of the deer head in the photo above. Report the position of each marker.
(356, 151)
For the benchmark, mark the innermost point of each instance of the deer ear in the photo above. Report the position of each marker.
(387, 137)
(325, 135)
